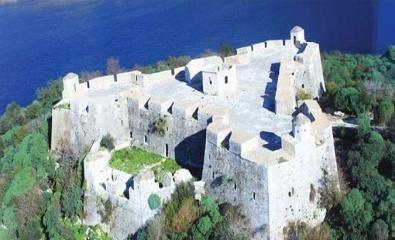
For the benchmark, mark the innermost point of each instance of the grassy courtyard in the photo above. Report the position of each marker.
(132, 159)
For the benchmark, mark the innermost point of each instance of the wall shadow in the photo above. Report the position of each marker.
(271, 87)
(189, 153)
(197, 81)
(273, 141)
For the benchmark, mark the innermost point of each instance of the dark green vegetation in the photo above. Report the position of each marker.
(38, 200)
(367, 209)
(183, 217)
(362, 85)
(107, 142)
(359, 84)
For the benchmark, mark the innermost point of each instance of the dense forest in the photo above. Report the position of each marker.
(41, 195)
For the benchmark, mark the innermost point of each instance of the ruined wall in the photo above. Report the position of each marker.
(106, 184)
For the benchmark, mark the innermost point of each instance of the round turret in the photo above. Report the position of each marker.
(297, 35)
(70, 83)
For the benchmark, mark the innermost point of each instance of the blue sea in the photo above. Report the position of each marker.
(45, 39)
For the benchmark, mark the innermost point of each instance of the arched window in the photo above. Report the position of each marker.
(226, 79)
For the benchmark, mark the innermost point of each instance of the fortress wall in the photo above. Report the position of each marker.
(89, 120)
(244, 50)
(238, 59)
(231, 178)
(157, 77)
(313, 79)
(125, 77)
(101, 82)
(185, 134)
(61, 134)
(285, 101)
(290, 190)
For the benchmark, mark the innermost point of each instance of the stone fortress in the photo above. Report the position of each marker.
(237, 119)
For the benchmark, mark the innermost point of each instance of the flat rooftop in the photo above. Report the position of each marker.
(251, 108)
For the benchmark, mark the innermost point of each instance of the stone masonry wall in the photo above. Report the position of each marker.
(245, 184)
(184, 136)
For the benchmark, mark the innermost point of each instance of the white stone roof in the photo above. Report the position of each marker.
(296, 29)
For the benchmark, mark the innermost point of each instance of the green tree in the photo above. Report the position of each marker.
(33, 110)
(13, 116)
(50, 94)
(385, 110)
(363, 122)
(356, 214)
(379, 230)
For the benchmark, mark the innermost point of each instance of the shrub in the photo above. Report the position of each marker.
(12, 117)
(226, 50)
(211, 208)
(107, 142)
(186, 215)
(204, 225)
(160, 126)
(303, 95)
(108, 211)
(225, 179)
(154, 201)
(32, 110)
(330, 193)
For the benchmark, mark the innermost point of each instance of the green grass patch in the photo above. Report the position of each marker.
(169, 165)
(132, 160)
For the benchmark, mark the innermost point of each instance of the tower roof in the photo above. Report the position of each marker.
(297, 29)
(70, 76)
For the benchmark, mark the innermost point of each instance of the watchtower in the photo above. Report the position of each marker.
(70, 85)
(297, 35)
